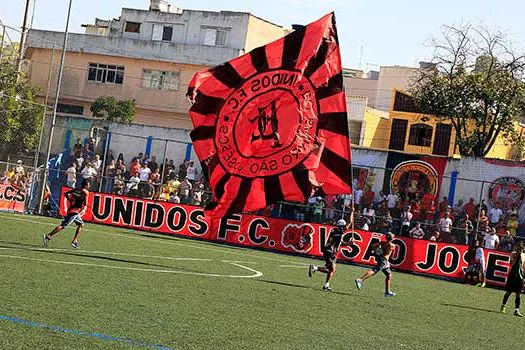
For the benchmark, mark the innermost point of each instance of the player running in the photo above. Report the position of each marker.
(515, 279)
(77, 204)
(382, 252)
(330, 250)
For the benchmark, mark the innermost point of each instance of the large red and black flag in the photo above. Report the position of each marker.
(271, 125)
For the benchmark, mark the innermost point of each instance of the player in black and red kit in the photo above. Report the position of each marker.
(77, 200)
(330, 250)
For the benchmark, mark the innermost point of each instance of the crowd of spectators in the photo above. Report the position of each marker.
(141, 177)
(16, 176)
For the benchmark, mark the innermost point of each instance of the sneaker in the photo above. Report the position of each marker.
(517, 313)
(390, 294)
(327, 289)
(482, 285)
(359, 283)
(311, 271)
(502, 309)
(75, 245)
(45, 240)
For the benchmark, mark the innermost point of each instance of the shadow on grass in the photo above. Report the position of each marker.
(31, 248)
(301, 286)
(470, 308)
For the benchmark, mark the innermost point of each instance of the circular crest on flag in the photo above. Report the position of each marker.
(415, 178)
(507, 191)
(268, 125)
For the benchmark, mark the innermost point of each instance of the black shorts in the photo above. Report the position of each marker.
(514, 285)
(382, 265)
(330, 260)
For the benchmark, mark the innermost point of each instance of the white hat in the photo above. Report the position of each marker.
(341, 223)
(19, 161)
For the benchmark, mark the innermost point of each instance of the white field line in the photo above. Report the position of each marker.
(178, 243)
(293, 266)
(254, 275)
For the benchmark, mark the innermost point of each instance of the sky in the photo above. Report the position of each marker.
(371, 33)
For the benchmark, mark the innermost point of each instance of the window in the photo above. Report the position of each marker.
(70, 109)
(420, 135)
(214, 37)
(132, 27)
(160, 80)
(104, 73)
(405, 103)
(167, 33)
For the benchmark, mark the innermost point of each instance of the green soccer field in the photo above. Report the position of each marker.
(131, 290)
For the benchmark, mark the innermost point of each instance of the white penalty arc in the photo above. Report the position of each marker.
(254, 274)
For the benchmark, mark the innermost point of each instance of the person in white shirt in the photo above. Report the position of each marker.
(144, 173)
(133, 185)
(369, 213)
(185, 188)
(191, 172)
(174, 198)
(97, 163)
(358, 196)
(417, 232)
(71, 174)
(445, 225)
(406, 219)
(480, 262)
(391, 201)
(89, 173)
(495, 215)
(491, 240)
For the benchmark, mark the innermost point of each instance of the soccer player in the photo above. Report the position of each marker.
(330, 250)
(515, 279)
(382, 251)
(77, 204)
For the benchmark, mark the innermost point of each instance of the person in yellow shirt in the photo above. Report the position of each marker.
(165, 193)
(512, 225)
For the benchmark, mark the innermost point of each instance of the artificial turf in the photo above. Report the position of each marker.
(130, 290)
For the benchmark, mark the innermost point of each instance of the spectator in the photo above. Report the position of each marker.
(443, 206)
(4, 180)
(391, 201)
(318, 210)
(121, 167)
(164, 194)
(174, 184)
(152, 164)
(148, 190)
(417, 232)
(144, 174)
(174, 198)
(481, 206)
(512, 225)
(71, 174)
(109, 156)
(90, 149)
(197, 195)
(133, 185)
(366, 225)
(495, 215)
(445, 225)
(406, 219)
(479, 260)
(483, 222)
(466, 233)
(416, 211)
(120, 158)
(155, 181)
(89, 172)
(111, 172)
(185, 189)
(491, 239)
(77, 149)
(119, 184)
(97, 163)
(369, 213)
(513, 211)
(19, 168)
(470, 208)
(457, 211)
(436, 236)
(135, 167)
(145, 160)
(358, 197)
(506, 243)
(191, 173)
(182, 170)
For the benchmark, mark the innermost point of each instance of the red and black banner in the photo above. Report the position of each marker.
(271, 125)
(411, 255)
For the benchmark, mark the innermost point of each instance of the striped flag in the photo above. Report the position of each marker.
(271, 125)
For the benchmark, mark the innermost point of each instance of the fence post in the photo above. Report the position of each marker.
(103, 169)
(164, 160)
(480, 206)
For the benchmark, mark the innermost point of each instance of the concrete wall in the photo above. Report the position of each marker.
(361, 87)
(154, 107)
(261, 32)
(390, 79)
(191, 53)
(376, 132)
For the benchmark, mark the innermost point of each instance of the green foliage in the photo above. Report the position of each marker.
(477, 85)
(20, 113)
(113, 110)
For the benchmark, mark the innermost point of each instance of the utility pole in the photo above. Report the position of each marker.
(54, 119)
(23, 37)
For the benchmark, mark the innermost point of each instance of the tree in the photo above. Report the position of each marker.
(113, 110)
(477, 85)
(20, 114)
